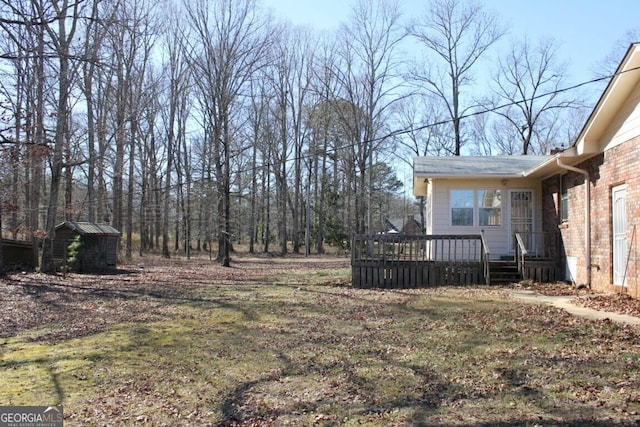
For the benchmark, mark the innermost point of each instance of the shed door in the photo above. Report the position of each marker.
(619, 202)
(521, 217)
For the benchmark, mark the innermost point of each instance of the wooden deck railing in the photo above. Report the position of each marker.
(521, 251)
(486, 259)
(412, 261)
(538, 256)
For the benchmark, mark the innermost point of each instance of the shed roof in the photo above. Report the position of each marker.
(90, 228)
(477, 166)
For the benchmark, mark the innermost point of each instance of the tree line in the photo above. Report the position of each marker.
(192, 124)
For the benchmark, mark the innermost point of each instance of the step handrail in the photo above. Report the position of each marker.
(521, 252)
(486, 257)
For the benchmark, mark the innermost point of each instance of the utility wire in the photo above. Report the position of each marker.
(306, 156)
(505, 105)
(399, 132)
(448, 121)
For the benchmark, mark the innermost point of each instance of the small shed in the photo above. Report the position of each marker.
(99, 244)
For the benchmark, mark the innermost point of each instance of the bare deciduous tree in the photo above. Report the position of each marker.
(368, 82)
(416, 117)
(178, 81)
(528, 81)
(64, 17)
(459, 34)
(231, 41)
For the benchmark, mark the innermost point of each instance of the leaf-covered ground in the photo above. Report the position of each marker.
(288, 342)
(616, 303)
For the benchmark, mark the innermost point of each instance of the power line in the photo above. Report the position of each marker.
(409, 129)
(509, 104)
(450, 120)
(336, 149)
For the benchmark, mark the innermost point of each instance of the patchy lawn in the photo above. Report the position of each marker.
(288, 342)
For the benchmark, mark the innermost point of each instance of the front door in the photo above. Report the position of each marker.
(619, 203)
(521, 217)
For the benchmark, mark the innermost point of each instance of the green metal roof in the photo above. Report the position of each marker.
(84, 228)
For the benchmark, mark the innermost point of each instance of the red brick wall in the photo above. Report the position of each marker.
(618, 165)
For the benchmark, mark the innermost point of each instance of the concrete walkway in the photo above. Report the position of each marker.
(563, 302)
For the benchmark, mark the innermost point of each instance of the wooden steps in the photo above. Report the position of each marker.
(504, 271)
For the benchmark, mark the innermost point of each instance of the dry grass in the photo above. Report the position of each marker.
(288, 342)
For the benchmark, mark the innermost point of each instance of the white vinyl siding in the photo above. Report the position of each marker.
(626, 123)
(496, 235)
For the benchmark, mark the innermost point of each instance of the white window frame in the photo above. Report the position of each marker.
(481, 207)
(472, 207)
(475, 216)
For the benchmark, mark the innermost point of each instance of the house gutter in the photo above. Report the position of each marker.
(587, 215)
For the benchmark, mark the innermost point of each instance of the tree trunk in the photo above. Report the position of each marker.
(2, 272)
(35, 152)
(130, 187)
(167, 197)
(68, 180)
(118, 167)
(267, 211)
(254, 189)
(62, 114)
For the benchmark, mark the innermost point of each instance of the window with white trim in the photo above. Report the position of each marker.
(489, 207)
(482, 207)
(462, 207)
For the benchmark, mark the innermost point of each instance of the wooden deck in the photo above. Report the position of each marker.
(395, 261)
(542, 270)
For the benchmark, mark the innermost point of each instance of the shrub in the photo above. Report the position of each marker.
(74, 251)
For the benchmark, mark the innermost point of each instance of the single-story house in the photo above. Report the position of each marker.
(390, 226)
(587, 195)
(411, 226)
(408, 225)
(99, 244)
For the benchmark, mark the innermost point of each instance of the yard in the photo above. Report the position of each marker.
(288, 342)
